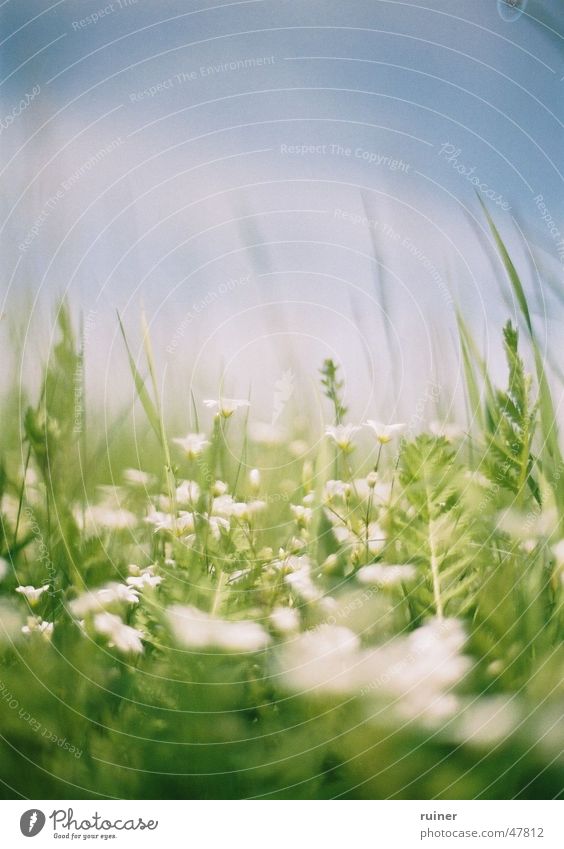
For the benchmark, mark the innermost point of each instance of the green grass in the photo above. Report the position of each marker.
(349, 621)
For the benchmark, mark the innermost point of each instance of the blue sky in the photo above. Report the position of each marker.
(175, 149)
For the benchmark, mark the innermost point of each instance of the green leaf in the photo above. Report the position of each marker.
(146, 401)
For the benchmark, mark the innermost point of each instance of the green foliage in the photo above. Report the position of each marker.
(550, 450)
(333, 387)
(291, 555)
(431, 527)
(511, 420)
(53, 427)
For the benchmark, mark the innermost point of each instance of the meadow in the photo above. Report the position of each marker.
(237, 612)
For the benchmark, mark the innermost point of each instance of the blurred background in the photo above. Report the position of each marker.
(275, 182)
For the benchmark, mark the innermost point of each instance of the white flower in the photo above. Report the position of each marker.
(319, 660)
(99, 599)
(245, 510)
(371, 480)
(226, 406)
(385, 433)
(104, 516)
(343, 534)
(146, 578)
(361, 489)
(192, 444)
(414, 674)
(167, 522)
(342, 435)
(384, 575)
(31, 593)
(120, 635)
(487, 721)
(376, 538)
(299, 579)
(383, 492)
(198, 630)
(254, 480)
(285, 620)
(558, 551)
(39, 626)
(161, 521)
(218, 524)
(187, 492)
(219, 488)
(336, 490)
(223, 505)
(136, 477)
(302, 515)
(419, 671)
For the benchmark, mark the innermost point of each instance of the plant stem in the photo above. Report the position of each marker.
(218, 593)
(435, 571)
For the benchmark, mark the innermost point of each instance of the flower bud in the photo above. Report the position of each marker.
(371, 479)
(254, 480)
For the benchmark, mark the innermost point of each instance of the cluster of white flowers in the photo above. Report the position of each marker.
(336, 491)
(107, 515)
(298, 578)
(414, 673)
(342, 434)
(179, 524)
(198, 630)
(120, 636)
(96, 609)
(110, 595)
(302, 514)
(226, 507)
(138, 478)
(187, 492)
(141, 579)
(285, 620)
(35, 625)
(357, 536)
(385, 575)
(486, 721)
